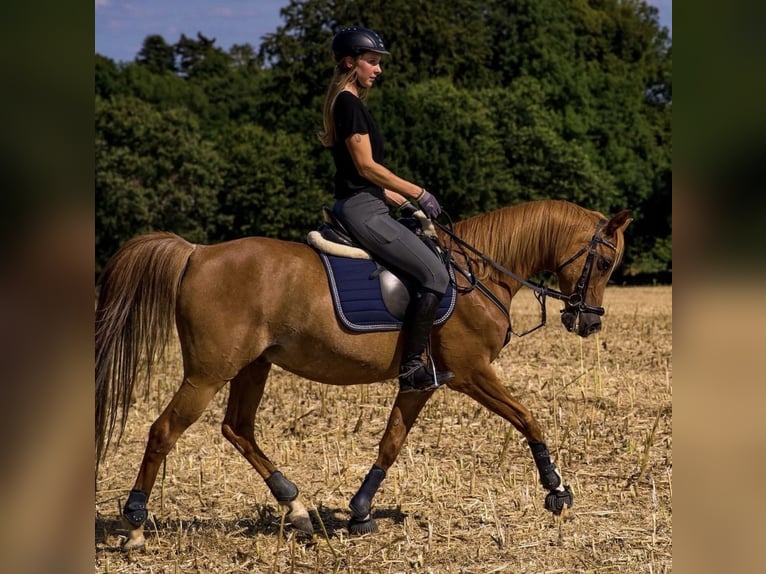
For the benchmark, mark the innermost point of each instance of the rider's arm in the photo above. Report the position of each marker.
(393, 198)
(361, 153)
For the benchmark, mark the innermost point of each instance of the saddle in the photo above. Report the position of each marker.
(332, 238)
(367, 296)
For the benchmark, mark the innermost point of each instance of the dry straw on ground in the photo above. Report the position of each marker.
(463, 497)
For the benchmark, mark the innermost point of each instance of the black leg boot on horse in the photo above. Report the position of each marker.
(414, 374)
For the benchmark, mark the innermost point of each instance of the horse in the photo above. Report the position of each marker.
(241, 306)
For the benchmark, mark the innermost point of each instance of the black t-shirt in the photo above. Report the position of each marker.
(351, 117)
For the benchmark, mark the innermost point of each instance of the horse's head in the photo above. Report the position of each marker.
(584, 271)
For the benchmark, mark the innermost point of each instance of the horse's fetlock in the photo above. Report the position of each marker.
(282, 489)
(550, 477)
(361, 504)
(135, 508)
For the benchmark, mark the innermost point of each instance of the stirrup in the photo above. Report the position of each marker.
(420, 380)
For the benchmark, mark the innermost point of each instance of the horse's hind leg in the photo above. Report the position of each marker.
(184, 408)
(238, 427)
(403, 415)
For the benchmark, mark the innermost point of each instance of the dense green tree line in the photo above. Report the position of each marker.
(488, 103)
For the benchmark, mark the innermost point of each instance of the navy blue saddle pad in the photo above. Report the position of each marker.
(357, 297)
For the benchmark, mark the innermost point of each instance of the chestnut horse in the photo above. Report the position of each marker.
(243, 305)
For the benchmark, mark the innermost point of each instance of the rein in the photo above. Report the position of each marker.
(574, 302)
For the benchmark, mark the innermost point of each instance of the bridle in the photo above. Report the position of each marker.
(575, 302)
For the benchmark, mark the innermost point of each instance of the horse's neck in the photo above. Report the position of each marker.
(538, 244)
(521, 243)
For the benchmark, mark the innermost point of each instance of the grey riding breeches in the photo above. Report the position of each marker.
(367, 218)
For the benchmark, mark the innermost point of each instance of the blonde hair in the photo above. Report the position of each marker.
(341, 78)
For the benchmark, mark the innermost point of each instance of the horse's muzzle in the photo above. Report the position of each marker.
(582, 323)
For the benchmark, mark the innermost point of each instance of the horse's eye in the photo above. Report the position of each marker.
(604, 264)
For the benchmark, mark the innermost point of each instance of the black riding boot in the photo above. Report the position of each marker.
(414, 375)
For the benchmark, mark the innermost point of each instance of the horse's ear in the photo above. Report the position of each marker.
(618, 222)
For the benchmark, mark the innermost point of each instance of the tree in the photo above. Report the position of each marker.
(445, 138)
(108, 77)
(200, 57)
(153, 171)
(426, 40)
(157, 55)
(269, 185)
(541, 163)
(165, 91)
(243, 56)
(604, 69)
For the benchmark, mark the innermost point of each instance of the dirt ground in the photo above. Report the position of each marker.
(464, 495)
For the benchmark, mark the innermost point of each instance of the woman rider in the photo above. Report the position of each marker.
(364, 187)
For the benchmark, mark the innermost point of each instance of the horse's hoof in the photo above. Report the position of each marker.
(135, 541)
(298, 516)
(364, 525)
(303, 525)
(557, 500)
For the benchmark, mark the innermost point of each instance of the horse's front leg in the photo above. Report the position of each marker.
(405, 411)
(484, 387)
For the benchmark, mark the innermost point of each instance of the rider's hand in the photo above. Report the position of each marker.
(429, 205)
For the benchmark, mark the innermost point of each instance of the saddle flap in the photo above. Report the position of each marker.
(368, 298)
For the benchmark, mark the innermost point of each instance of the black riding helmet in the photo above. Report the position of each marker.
(354, 40)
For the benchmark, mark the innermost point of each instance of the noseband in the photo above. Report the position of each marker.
(576, 301)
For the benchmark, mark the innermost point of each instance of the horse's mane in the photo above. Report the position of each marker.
(518, 236)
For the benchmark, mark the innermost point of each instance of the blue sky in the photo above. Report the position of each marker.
(122, 25)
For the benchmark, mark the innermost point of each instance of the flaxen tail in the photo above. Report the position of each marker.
(135, 317)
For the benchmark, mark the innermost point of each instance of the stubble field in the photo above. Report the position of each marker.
(464, 495)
